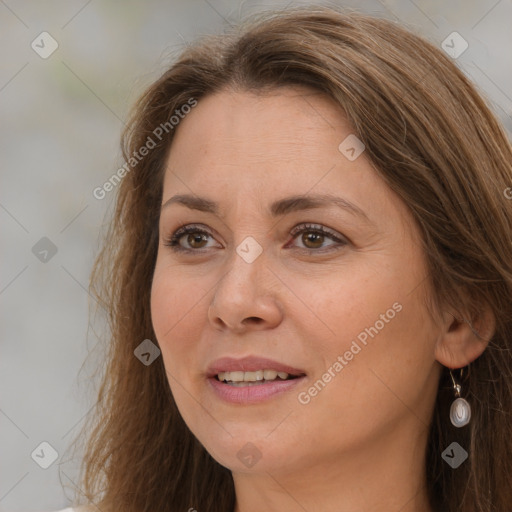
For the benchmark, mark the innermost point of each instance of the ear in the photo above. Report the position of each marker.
(464, 338)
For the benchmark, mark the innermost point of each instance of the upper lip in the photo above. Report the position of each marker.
(249, 364)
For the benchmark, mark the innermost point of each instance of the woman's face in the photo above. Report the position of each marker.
(343, 309)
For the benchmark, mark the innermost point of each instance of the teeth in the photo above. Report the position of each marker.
(251, 376)
(270, 374)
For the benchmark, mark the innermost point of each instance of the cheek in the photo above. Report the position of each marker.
(386, 345)
(371, 319)
(336, 307)
(178, 313)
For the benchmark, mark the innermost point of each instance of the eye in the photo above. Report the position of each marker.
(193, 238)
(192, 235)
(314, 236)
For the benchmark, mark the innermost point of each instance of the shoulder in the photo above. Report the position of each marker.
(82, 508)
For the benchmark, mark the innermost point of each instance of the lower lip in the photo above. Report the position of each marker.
(252, 394)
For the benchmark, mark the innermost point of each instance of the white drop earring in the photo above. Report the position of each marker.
(460, 410)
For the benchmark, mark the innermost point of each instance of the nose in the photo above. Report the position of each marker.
(244, 298)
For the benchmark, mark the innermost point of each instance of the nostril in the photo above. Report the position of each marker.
(253, 319)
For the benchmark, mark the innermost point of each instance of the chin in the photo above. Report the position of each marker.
(253, 454)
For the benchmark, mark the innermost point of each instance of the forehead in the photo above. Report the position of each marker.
(238, 147)
(291, 130)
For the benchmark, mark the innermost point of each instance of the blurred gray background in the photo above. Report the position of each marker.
(62, 110)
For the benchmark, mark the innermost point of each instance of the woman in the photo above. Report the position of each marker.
(309, 280)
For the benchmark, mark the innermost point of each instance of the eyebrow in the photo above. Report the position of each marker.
(277, 208)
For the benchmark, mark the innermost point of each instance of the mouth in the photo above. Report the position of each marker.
(251, 379)
(256, 378)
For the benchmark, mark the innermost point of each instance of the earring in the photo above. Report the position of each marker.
(460, 410)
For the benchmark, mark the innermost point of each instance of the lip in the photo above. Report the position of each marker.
(246, 395)
(250, 364)
(251, 394)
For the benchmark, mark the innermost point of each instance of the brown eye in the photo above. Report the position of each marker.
(195, 240)
(189, 238)
(312, 240)
(313, 237)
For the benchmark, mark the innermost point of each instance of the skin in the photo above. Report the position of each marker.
(359, 444)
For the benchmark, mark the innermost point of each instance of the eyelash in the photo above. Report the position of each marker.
(173, 240)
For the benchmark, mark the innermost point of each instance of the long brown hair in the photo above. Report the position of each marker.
(431, 137)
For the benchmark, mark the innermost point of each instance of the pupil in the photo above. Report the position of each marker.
(196, 238)
(315, 238)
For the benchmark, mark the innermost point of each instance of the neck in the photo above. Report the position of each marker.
(385, 475)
